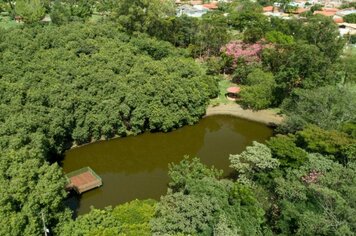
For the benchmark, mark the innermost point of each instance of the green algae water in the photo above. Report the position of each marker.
(137, 167)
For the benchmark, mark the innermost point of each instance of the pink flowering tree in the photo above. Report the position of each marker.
(240, 50)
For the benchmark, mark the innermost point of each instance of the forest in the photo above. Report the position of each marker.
(140, 68)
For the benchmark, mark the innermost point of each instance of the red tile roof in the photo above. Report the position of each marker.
(268, 9)
(211, 6)
(196, 2)
(330, 9)
(325, 13)
(233, 89)
(338, 20)
(300, 10)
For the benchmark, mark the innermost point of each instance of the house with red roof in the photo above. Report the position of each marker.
(211, 6)
(268, 9)
(327, 11)
(300, 10)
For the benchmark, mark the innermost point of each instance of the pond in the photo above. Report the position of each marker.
(136, 167)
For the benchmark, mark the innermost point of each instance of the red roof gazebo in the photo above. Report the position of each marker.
(234, 90)
(232, 93)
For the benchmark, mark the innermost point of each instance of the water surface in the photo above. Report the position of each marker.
(137, 166)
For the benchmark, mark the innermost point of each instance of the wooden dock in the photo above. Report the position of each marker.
(83, 180)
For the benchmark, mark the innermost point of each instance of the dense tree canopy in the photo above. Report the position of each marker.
(131, 218)
(350, 18)
(328, 107)
(199, 202)
(138, 69)
(80, 83)
(259, 93)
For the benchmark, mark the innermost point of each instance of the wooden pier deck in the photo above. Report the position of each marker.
(83, 180)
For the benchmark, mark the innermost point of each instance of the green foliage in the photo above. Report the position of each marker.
(96, 222)
(202, 36)
(202, 204)
(243, 69)
(255, 158)
(81, 9)
(247, 16)
(350, 18)
(286, 151)
(316, 7)
(326, 107)
(189, 170)
(257, 76)
(317, 199)
(60, 13)
(349, 128)
(29, 187)
(278, 38)
(135, 217)
(348, 5)
(292, 27)
(66, 11)
(142, 15)
(305, 54)
(298, 65)
(212, 34)
(338, 144)
(252, 35)
(81, 83)
(31, 10)
(259, 94)
(178, 213)
(131, 218)
(322, 32)
(348, 66)
(103, 92)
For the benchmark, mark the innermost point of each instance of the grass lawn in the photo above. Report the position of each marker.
(221, 99)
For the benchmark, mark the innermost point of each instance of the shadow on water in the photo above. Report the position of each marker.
(136, 167)
(73, 202)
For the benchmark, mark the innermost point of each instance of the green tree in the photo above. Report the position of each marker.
(81, 9)
(60, 13)
(259, 93)
(317, 198)
(322, 32)
(298, 65)
(326, 107)
(316, 7)
(76, 83)
(30, 187)
(278, 37)
(347, 67)
(286, 151)
(135, 217)
(212, 34)
(350, 18)
(31, 10)
(142, 15)
(96, 222)
(199, 203)
(132, 218)
(255, 158)
(327, 142)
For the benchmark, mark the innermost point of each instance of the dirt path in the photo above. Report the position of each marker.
(267, 117)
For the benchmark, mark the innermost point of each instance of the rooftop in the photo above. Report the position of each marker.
(83, 180)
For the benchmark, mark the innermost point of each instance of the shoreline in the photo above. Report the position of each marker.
(266, 117)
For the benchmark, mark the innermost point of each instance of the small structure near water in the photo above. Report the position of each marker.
(232, 93)
(83, 180)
